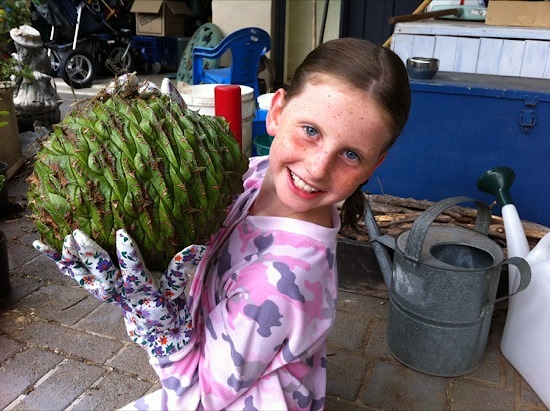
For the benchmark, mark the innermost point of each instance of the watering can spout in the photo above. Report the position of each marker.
(497, 181)
(379, 243)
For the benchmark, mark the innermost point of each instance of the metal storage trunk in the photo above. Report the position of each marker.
(463, 124)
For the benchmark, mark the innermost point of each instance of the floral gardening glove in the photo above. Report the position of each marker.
(154, 306)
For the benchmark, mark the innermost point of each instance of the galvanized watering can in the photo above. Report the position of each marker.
(442, 287)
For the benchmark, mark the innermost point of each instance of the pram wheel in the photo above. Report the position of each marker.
(78, 69)
(120, 60)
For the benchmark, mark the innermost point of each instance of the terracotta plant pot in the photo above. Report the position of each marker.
(10, 144)
(4, 266)
(4, 198)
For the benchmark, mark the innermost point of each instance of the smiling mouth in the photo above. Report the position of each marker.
(302, 185)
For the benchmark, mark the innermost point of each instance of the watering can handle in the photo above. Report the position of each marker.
(421, 225)
(524, 270)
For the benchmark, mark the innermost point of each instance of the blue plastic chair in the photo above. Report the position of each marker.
(247, 46)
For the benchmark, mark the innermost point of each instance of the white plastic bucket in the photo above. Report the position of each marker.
(201, 98)
(264, 101)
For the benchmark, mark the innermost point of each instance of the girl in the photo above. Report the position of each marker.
(263, 299)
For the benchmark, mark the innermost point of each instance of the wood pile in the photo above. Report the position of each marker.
(395, 215)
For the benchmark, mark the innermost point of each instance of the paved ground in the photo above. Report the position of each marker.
(61, 349)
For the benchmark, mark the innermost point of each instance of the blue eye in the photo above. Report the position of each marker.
(351, 155)
(310, 131)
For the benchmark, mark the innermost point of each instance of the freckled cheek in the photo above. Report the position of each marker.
(347, 184)
(282, 149)
(289, 141)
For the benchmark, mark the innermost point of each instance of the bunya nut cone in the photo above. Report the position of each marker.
(139, 161)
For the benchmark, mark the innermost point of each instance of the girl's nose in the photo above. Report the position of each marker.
(320, 164)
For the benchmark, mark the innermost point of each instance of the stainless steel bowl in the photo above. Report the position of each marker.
(422, 67)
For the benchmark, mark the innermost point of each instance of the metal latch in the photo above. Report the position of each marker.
(527, 117)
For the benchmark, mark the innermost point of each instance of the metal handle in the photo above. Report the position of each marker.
(421, 225)
(524, 270)
(527, 120)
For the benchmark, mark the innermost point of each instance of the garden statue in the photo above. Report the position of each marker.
(35, 97)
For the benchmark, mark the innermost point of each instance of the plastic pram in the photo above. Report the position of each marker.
(88, 36)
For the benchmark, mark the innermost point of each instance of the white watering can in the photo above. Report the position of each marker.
(526, 338)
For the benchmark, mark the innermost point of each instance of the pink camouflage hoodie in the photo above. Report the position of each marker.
(263, 301)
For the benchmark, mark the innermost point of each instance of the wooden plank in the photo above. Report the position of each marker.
(534, 58)
(547, 67)
(445, 51)
(489, 56)
(476, 47)
(402, 45)
(423, 46)
(511, 57)
(470, 29)
(466, 55)
(395, 215)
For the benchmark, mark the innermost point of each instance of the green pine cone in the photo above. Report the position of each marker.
(165, 174)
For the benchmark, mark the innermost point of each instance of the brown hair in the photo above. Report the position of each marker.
(364, 66)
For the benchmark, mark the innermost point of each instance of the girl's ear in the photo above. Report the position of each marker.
(272, 118)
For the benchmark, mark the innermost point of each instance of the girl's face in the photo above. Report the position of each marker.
(329, 139)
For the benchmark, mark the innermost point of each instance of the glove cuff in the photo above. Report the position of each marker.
(158, 339)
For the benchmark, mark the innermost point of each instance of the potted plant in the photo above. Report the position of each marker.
(8, 67)
(4, 198)
(13, 13)
(4, 261)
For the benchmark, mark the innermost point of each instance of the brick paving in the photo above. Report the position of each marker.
(61, 349)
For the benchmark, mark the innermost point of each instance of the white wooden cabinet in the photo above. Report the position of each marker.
(474, 47)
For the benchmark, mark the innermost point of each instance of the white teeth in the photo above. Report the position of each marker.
(302, 185)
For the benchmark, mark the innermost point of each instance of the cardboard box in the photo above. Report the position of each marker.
(160, 17)
(520, 13)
